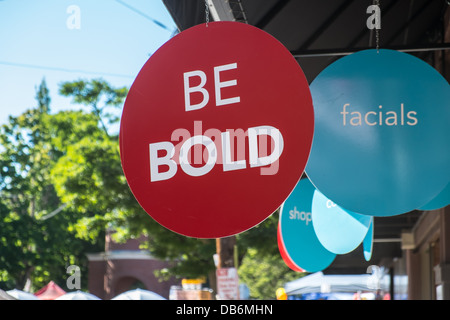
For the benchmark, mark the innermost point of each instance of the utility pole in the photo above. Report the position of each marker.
(225, 248)
(227, 279)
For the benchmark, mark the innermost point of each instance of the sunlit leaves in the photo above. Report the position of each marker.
(33, 248)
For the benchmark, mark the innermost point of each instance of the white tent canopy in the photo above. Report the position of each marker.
(6, 296)
(78, 295)
(318, 282)
(22, 295)
(138, 294)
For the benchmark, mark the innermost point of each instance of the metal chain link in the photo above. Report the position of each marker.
(377, 31)
(207, 12)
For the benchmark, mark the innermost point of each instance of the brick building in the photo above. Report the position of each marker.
(123, 267)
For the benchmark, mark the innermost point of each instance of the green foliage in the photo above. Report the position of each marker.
(264, 274)
(262, 269)
(191, 258)
(262, 237)
(43, 97)
(36, 244)
(92, 93)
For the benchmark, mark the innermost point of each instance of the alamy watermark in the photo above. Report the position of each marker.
(74, 280)
(198, 154)
(374, 20)
(73, 21)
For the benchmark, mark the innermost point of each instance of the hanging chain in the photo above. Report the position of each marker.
(207, 12)
(377, 30)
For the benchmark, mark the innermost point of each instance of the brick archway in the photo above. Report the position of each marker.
(122, 265)
(126, 283)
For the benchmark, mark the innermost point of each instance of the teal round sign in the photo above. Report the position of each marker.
(340, 231)
(368, 243)
(440, 201)
(382, 133)
(297, 235)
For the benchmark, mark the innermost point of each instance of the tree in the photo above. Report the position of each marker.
(36, 240)
(264, 274)
(92, 93)
(43, 97)
(262, 268)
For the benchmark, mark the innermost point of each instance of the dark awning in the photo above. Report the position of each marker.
(317, 32)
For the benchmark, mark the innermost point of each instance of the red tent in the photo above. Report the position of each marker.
(49, 292)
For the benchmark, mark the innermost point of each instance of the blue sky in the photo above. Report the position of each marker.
(114, 40)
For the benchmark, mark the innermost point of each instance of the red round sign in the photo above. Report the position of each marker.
(216, 130)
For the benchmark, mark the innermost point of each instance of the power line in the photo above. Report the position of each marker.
(33, 66)
(160, 24)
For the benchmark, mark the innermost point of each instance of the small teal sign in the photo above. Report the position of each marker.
(340, 231)
(368, 243)
(297, 232)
